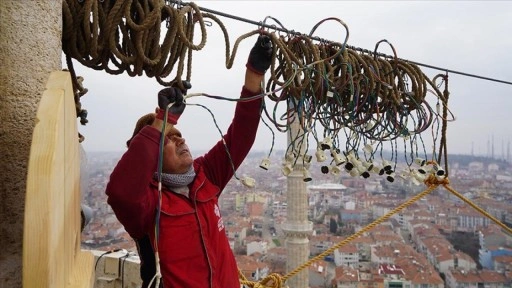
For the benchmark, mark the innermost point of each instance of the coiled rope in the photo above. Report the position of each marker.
(124, 36)
(337, 87)
(339, 90)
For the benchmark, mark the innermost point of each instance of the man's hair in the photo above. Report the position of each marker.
(141, 123)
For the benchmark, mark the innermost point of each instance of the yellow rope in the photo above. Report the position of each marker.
(432, 183)
(275, 280)
(477, 208)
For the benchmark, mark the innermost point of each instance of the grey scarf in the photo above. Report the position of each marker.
(178, 182)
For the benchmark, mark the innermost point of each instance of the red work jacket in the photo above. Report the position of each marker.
(193, 247)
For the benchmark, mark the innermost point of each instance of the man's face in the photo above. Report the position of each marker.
(177, 157)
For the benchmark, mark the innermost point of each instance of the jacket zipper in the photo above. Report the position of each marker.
(202, 236)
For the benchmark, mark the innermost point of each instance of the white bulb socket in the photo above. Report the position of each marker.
(440, 177)
(370, 125)
(307, 158)
(351, 157)
(320, 155)
(387, 165)
(368, 165)
(415, 181)
(248, 182)
(419, 176)
(438, 170)
(335, 170)
(338, 159)
(404, 175)
(290, 157)
(358, 162)
(368, 148)
(360, 168)
(363, 170)
(326, 144)
(287, 169)
(265, 163)
(349, 166)
(306, 175)
(420, 161)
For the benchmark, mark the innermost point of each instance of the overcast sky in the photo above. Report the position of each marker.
(468, 36)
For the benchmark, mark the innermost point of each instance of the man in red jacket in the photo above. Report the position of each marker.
(185, 226)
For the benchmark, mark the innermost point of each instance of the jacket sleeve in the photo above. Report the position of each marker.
(129, 188)
(239, 139)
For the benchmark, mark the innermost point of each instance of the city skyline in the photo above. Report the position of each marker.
(425, 225)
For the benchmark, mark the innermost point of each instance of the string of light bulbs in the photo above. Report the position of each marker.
(377, 97)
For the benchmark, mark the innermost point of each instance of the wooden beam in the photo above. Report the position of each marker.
(51, 242)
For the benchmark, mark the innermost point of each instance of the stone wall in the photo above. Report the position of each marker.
(30, 48)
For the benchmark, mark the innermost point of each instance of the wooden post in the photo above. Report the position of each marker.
(51, 242)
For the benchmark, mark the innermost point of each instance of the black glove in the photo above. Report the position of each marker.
(260, 56)
(170, 95)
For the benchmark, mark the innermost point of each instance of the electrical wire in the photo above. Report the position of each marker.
(338, 87)
(103, 254)
(293, 32)
(222, 137)
(123, 261)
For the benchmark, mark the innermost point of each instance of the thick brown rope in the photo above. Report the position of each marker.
(126, 36)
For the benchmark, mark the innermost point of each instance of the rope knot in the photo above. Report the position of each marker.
(273, 280)
(432, 180)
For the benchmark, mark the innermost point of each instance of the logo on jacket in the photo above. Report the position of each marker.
(220, 222)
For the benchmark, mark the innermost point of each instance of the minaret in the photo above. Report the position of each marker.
(297, 228)
(508, 151)
(503, 149)
(488, 148)
(492, 148)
